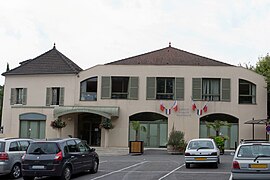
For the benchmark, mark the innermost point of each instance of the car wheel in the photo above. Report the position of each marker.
(215, 165)
(28, 178)
(16, 171)
(94, 167)
(187, 165)
(66, 173)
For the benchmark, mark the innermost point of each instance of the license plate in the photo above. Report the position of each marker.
(38, 167)
(258, 166)
(200, 159)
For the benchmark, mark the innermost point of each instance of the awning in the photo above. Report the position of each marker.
(259, 122)
(105, 111)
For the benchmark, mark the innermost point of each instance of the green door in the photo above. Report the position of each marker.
(32, 129)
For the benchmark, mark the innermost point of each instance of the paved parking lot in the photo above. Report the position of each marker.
(154, 164)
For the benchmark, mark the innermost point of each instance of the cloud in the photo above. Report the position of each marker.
(94, 32)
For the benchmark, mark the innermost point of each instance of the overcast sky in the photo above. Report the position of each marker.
(92, 32)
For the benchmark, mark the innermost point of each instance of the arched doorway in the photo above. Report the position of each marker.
(88, 128)
(156, 125)
(231, 131)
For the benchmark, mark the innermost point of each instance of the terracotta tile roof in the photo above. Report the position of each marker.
(51, 62)
(169, 56)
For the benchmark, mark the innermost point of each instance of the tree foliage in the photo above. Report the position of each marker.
(216, 125)
(263, 68)
(136, 126)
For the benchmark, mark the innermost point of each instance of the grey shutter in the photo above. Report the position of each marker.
(105, 87)
(133, 88)
(179, 88)
(151, 88)
(196, 88)
(226, 89)
(48, 96)
(13, 96)
(62, 96)
(24, 96)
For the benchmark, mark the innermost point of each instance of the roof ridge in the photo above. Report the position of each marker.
(26, 62)
(138, 55)
(66, 59)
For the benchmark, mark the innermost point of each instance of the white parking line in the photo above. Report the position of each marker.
(171, 172)
(102, 162)
(119, 170)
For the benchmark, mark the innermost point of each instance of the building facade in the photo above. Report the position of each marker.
(161, 89)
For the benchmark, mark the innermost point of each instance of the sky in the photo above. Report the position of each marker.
(92, 32)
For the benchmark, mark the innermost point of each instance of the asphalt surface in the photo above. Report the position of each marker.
(153, 164)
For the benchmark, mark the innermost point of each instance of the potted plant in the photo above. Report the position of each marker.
(58, 124)
(137, 145)
(220, 140)
(176, 143)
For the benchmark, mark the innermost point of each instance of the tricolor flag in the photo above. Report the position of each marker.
(175, 106)
(161, 106)
(168, 111)
(199, 112)
(193, 105)
(205, 108)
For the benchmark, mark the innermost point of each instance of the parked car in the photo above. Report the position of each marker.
(11, 152)
(201, 151)
(58, 158)
(251, 160)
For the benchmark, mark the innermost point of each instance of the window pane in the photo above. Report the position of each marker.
(160, 85)
(165, 88)
(120, 87)
(169, 86)
(55, 96)
(14, 146)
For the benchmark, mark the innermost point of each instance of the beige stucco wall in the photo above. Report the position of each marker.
(118, 136)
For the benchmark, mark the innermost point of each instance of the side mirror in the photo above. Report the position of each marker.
(92, 149)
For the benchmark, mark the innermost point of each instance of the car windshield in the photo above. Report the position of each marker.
(201, 144)
(2, 146)
(254, 150)
(43, 148)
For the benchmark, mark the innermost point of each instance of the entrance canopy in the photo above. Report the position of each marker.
(105, 111)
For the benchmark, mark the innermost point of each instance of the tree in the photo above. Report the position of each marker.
(216, 125)
(263, 68)
(136, 126)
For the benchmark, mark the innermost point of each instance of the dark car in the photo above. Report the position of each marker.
(58, 158)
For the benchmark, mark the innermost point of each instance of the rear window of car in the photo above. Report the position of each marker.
(43, 148)
(2, 146)
(254, 150)
(203, 144)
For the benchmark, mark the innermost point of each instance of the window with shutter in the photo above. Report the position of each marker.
(196, 88)
(226, 89)
(150, 88)
(179, 88)
(133, 88)
(24, 96)
(105, 87)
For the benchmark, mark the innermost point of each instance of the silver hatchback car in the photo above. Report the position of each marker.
(11, 152)
(201, 151)
(251, 160)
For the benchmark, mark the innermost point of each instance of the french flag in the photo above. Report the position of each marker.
(199, 112)
(175, 106)
(168, 111)
(161, 106)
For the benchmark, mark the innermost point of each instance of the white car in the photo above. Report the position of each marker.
(201, 151)
(251, 160)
